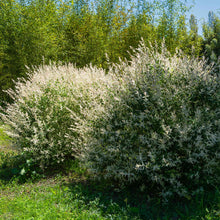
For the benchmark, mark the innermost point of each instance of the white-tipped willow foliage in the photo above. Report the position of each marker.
(153, 121)
(161, 127)
(49, 106)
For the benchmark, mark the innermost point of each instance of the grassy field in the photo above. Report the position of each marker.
(73, 194)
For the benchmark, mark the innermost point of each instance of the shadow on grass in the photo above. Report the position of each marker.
(17, 166)
(9, 166)
(136, 205)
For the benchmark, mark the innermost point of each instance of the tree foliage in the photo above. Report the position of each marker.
(211, 31)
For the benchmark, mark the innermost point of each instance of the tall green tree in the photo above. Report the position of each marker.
(193, 42)
(11, 58)
(171, 23)
(211, 32)
(29, 34)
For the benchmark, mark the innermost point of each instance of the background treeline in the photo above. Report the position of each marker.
(33, 32)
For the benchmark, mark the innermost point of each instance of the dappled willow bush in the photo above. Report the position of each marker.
(47, 108)
(152, 121)
(160, 127)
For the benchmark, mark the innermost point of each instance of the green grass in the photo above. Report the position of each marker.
(4, 139)
(75, 195)
(49, 200)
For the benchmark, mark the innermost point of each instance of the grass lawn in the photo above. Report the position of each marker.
(75, 195)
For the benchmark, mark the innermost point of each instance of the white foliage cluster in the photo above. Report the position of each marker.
(161, 129)
(49, 106)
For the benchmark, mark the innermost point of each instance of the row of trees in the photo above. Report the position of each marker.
(84, 31)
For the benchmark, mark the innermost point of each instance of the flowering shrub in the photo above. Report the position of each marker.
(160, 127)
(47, 108)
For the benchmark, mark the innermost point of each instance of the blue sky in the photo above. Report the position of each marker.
(202, 8)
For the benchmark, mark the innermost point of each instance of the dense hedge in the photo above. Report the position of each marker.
(152, 121)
